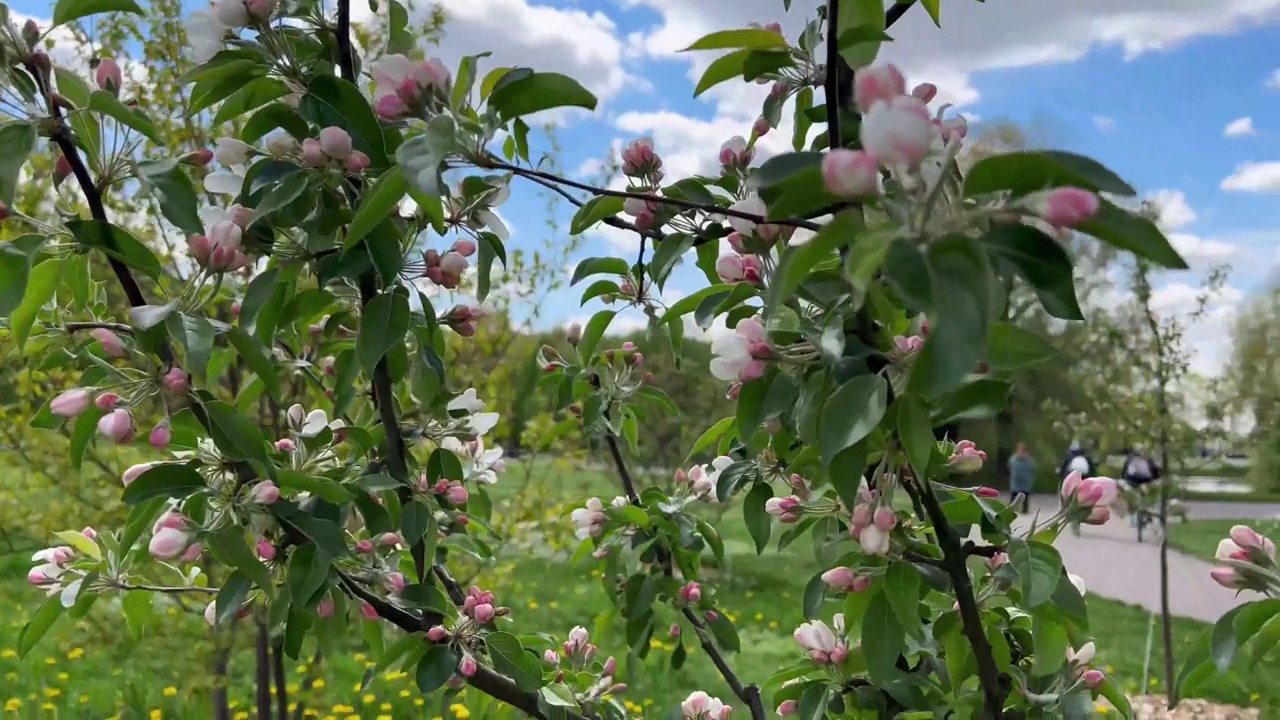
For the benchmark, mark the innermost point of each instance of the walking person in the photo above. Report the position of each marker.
(1077, 460)
(1022, 477)
(1140, 473)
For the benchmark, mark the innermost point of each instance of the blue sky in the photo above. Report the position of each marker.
(1147, 86)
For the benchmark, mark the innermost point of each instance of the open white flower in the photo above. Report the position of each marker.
(477, 422)
(204, 35)
(480, 465)
(225, 181)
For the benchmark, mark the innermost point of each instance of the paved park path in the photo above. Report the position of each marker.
(1114, 565)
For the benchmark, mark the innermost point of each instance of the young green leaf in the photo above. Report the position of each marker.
(539, 91)
(1021, 173)
(850, 414)
(17, 140)
(383, 324)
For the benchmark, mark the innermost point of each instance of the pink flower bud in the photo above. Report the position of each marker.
(335, 142)
(925, 91)
(1228, 578)
(200, 248)
(610, 666)
(61, 168)
(175, 380)
(874, 541)
(90, 533)
(285, 445)
(198, 158)
(986, 492)
(712, 616)
(674, 631)
(395, 582)
(850, 173)
(192, 554)
(71, 403)
(1068, 207)
(760, 127)
(160, 436)
(1093, 678)
(368, 612)
(839, 578)
(261, 9)
(107, 401)
(437, 634)
(877, 84)
(111, 343)
(391, 107)
(325, 608)
(787, 509)
(457, 494)
(264, 493)
(117, 426)
(550, 657)
(364, 547)
(313, 154)
(168, 543)
(884, 518)
(897, 131)
(266, 550)
(107, 76)
(133, 472)
(390, 539)
(788, 707)
(483, 613)
(691, 593)
(467, 666)
(357, 162)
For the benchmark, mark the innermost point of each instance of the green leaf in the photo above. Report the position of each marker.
(758, 521)
(255, 357)
(958, 319)
(536, 92)
(117, 243)
(436, 667)
(883, 638)
(722, 69)
(38, 625)
(415, 520)
(383, 324)
(15, 267)
(321, 487)
(1010, 347)
(850, 414)
(231, 595)
(934, 8)
(781, 168)
(1021, 173)
(271, 116)
(420, 158)
(173, 192)
(725, 633)
(976, 400)
(330, 100)
(753, 38)
(250, 96)
(82, 433)
(593, 211)
(599, 266)
(234, 549)
(902, 591)
(594, 330)
(862, 15)
(1112, 691)
(1039, 569)
(42, 284)
(168, 480)
(1127, 231)
(17, 140)
(131, 117)
(1042, 262)
(1051, 643)
(67, 10)
(797, 262)
(712, 434)
(915, 432)
(376, 203)
(235, 436)
(510, 659)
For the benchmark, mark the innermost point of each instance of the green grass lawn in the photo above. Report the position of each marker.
(92, 668)
(1201, 537)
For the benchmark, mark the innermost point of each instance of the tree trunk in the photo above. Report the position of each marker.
(263, 672)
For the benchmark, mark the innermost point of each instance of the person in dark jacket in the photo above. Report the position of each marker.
(1139, 469)
(1077, 460)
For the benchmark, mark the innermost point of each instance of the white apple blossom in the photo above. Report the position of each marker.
(205, 35)
(479, 464)
(735, 353)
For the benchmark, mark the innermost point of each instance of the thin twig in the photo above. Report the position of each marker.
(168, 590)
(118, 328)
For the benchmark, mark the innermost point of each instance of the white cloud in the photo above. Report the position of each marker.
(1104, 124)
(1273, 80)
(1199, 252)
(1254, 177)
(1174, 210)
(1239, 127)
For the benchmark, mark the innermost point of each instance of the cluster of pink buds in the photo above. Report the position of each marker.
(966, 458)
(393, 582)
(52, 564)
(1078, 663)
(219, 251)
(111, 344)
(897, 131)
(736, 154)
(589, 519)
(446, 270)
(404, 87)
(172, 537)
(479, 606)
(743, 355)
(734, 268)
(333, 145)
(629, 353)
(578, 648)
(691, 593)
(844, 579)
(787, 509)
(462, 318)
(825, 645)
(872, 522)
(117, 426)
(701, 706)
(451, 490)
(906, 346)
(641, 162)
(1247, 561)
(644, 211)
(1088, 500)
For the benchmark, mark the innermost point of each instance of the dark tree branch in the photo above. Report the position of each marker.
(263, 672)
(346, 58)
(953, 562)
(280, 680)
(749, 694)
(118, 328)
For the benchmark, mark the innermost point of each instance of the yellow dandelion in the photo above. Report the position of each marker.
(12, 704)
(170, 691)
(157, 714)
(418, 702)
(533, 604)
(459, 711)
(64, 676)
(83, 699)
(369, 699)
(359, 657)
(342, 709)
(384, 717)
(317, 684)
(384, 706)
(553, 605)
(52, 692)
(75, 653)
(50, 661)
(405, 693)
(51, 706)
(8, 653)
(242, 715)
